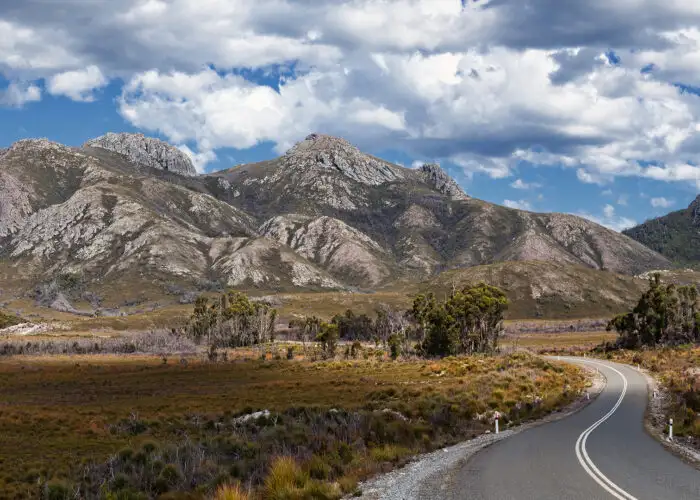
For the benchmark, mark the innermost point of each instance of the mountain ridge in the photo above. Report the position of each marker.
(322, 216)
(675, 235)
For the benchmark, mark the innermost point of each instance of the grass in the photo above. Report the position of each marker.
(339, 420)
(231, 492)
(549, 342)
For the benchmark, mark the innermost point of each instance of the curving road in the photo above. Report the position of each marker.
(601, 452)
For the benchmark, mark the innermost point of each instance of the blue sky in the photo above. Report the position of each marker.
(524, 102)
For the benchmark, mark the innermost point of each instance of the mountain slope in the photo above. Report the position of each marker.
(676, 235)
(548, 289)
(324, 215)
(420, 217)
(99, 217)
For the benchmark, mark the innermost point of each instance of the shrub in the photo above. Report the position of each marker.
(318, 468)
(285, 480)
(388, 453)
(58, 490)
(231, 492)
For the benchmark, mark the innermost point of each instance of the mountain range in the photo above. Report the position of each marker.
(127, 209)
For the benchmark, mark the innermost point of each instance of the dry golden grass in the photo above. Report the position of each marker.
(56, 413)
(327, 304)
(538, 341)
(231, 492)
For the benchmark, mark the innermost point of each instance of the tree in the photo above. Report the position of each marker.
(328, 337)
(469, 321)
(423, 305)
(478, 315)
(232, 320)
(664, 315)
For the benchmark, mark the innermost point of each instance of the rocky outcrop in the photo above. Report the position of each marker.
(146, 151)
(436, 177)
(324, 215)
(339, 248)
(319, 150)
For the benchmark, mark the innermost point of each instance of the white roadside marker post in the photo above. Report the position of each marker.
(497, 416)
(670, 429)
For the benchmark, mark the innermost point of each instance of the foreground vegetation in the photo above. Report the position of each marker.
(131, 427)
(678, 371)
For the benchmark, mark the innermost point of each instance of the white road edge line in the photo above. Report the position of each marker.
(582, 454)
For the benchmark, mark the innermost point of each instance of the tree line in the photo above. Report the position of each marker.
(468, 321)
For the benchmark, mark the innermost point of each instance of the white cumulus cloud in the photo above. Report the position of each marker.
(609, 218)
(484, 85)
(661, 202)
(78, 85)
(519, 204)
(18, 94)
(520, 184)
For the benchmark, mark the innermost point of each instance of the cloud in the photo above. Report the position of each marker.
(484, 85)
(588, 177)
(518, 204)
(622, 200)
(77, 85)
(199, 160)
(609, 218)
(520, 184)
(18, 94)
(661, 202)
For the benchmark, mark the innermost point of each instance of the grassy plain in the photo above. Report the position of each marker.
(59, 414)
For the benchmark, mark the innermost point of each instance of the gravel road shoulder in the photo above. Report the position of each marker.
(432, 472)
(656, 419)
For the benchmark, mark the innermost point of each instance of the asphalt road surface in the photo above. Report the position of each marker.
(601, 452)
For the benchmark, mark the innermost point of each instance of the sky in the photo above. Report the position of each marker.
(588, 107)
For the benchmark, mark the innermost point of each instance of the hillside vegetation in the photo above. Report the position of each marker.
(676, 235)
(9, 320)
(539, 289)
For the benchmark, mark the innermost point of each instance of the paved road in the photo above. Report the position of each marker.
(575, 459)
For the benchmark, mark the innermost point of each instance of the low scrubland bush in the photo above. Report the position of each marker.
(154, 342)
(376, 416)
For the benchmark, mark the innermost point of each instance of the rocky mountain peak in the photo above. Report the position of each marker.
(325, 151)
(146, 151)
(35, 144)
(440, 180)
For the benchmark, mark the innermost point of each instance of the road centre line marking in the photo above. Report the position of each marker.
(582, 453)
